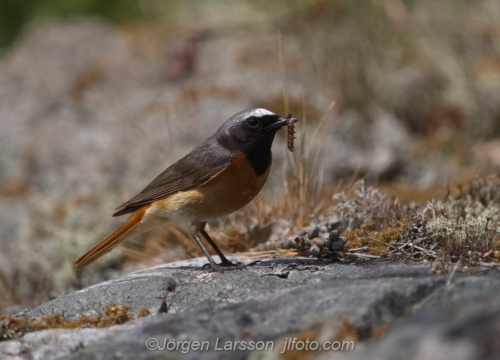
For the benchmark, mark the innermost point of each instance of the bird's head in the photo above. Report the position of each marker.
(250, 129)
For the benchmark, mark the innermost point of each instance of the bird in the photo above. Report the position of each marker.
(221, 175)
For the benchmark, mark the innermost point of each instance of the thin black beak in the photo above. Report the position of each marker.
(280, 123)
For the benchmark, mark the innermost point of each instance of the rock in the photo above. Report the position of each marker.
(333, 235)
(275, 300)
(337, 245)
(455, 322)
(313, 232)
(316, 240)
(315, 250)
(333, 223)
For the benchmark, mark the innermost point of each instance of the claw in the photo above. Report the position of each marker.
(228, 265)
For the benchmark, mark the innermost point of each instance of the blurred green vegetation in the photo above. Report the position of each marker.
(15, 14)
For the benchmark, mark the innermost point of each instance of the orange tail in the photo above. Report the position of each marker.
(112, 240)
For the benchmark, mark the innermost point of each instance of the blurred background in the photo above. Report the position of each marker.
(98, 97)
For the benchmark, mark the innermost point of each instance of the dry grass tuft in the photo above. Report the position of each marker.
(367, 207)
(370, 218)
(303, 196)
(460, 227)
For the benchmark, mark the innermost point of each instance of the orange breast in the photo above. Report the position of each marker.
(226, 192)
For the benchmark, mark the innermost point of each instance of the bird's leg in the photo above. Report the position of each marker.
(195, 229)
(224, 260)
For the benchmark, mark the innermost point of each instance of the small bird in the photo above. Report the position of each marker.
(218, 177)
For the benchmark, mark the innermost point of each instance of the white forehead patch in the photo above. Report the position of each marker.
(262, 112)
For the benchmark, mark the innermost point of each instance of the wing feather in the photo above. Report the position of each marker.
(196, 168)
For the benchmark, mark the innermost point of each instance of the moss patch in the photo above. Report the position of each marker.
(391, 232)
(13, 327)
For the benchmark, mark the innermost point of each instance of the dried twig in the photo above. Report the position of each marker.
(495, 230)
(400, 248)
(493, 265)
(380, 241)
(368, 256)
(364, 248)
(425, 250)
(450, 278)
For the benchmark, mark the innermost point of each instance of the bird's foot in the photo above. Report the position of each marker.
(223, 267)
(226, 265)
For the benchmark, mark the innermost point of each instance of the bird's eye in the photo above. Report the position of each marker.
(253, 122)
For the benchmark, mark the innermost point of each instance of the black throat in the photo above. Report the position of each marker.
(259, 155)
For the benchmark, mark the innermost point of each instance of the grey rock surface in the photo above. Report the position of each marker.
(426, 314)
(459, 321)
